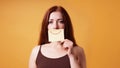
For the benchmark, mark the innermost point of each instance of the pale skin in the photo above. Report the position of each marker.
(59, 48)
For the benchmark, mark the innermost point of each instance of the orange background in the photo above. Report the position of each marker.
(96, 27)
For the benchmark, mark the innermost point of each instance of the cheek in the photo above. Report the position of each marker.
(48, 27)
(62, 26)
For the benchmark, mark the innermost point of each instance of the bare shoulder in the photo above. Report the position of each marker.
(35, 49)
(78, 49)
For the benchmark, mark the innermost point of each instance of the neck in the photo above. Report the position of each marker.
(56, 45)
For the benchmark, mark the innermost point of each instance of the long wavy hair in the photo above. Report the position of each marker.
(68, 30)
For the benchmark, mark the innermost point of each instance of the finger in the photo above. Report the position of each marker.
(61, 42)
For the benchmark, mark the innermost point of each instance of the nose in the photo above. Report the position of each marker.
(55, 25)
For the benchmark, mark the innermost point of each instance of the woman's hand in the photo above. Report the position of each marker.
(68, 45)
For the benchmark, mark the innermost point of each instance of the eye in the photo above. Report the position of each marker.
(61, 21)
(50, 22)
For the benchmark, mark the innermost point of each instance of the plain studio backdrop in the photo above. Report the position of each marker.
(96, 26)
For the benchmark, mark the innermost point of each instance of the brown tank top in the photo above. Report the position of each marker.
(45, 62)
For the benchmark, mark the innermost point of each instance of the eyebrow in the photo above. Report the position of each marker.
(57, 19)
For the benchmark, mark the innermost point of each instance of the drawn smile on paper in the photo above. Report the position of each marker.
(55, 31)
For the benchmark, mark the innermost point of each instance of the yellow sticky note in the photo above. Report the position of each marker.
(55, 35)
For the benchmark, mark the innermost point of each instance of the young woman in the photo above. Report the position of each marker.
(59, 54)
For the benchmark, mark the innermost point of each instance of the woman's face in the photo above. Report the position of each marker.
(56, 21)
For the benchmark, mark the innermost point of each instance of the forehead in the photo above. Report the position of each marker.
(56, 15)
